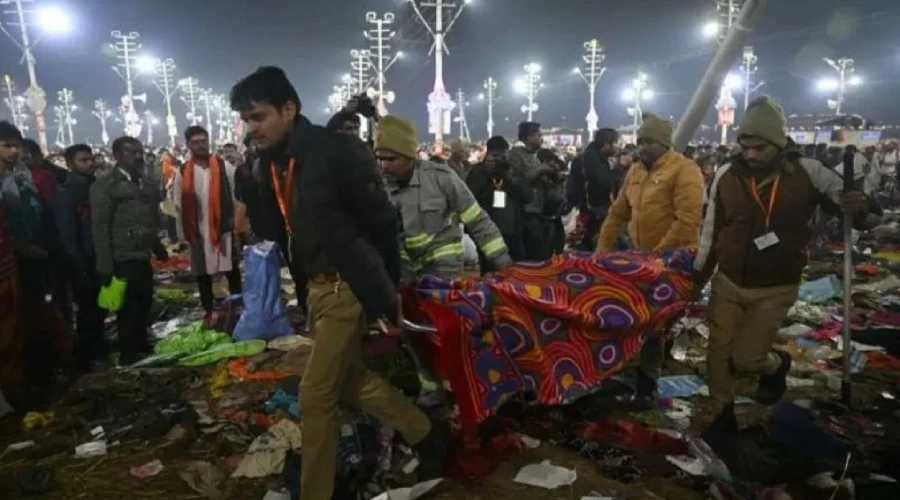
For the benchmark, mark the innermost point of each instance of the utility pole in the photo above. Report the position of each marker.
(845, 70)
(361, 65)
(591, 74)
(126, 46)
(149, 120)
(190, 95)
(532, 84)
(221, 112)
(439, 102)
(64, 98)
(205, 97)
(35, 97)
(748, 65)
(461, 117)
(60, 126)
(637, 93)
(164, 82)
(102, 113)
(380, 37)
(489, 95)
(15, 103)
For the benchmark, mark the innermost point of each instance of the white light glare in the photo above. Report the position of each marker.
(733, 81)
(828, 84)
(146, 64)
(710, 29)
(53, 19)
(648, 95)
(855, 80)
(628, 94)
(520, 86)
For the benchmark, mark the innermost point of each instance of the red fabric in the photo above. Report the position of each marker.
(45, 182)
(479, 460)
(10, 302)
(631, 436)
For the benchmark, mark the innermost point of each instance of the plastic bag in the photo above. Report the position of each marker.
(112, 296)
(191, 339)
(224, 351)
(264, 315)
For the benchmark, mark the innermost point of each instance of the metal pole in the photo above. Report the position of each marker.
(490, 87)
(65, 96)
(717, 70)
(35, 96)
(167, 67)
(847, 347)
(101, 113)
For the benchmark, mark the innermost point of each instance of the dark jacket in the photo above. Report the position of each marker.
(124, 220)
(734, 220)
(483, 181)
(72, 211)
(592, 182)
(341, 218)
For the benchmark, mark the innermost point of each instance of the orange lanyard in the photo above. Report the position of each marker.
(754, 190)
(283, 195)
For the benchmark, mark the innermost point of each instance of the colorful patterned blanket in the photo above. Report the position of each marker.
(555, 329)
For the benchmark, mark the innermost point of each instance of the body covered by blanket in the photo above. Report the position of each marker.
(554, 328)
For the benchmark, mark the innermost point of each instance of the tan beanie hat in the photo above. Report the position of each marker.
(764, 119)
(656, 128)
(397, 135)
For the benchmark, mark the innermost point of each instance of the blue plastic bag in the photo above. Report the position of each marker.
(264, 316)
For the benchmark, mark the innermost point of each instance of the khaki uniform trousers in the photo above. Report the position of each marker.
(335, 373)
(743, 324)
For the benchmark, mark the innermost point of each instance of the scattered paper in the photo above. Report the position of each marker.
(530, 442)
(596, 496)
(703, 330)
(91, 449)
(409, 493)
(795, 382)
(149, 469)
(795, 330)
(679, 386)
(411, 466)
(289, 343)
(20, 446)
(266, 454)
(292, 303)
(882, 478)
(277, 495)
(859, 346)
(887, 395)
(691, 465)
(546, 475)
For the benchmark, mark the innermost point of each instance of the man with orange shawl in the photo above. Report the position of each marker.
(205, 207)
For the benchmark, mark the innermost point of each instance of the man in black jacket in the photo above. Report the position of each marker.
(501, 196)
(72, 210)
(345, 231)
(592, 183)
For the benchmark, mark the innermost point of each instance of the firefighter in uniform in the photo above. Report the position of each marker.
(432, 201)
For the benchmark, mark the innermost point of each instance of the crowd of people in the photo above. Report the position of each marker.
(353, 220)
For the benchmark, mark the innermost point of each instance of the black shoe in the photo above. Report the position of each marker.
(645, 397)
(432, 452)
(772, 387)
(725, 423)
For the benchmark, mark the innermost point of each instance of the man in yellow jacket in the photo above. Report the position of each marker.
(662, 197)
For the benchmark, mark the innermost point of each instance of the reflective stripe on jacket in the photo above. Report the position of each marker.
(432, 205)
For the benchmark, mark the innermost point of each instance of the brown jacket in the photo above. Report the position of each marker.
(734, 220)
(664, 205)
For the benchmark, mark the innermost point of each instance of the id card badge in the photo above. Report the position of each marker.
(499, 199)
(767, 240)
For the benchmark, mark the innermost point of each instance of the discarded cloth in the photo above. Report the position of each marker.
(679, 386)
(820, 290)
(266, 454)
(284, 401)
(149, 469)
(204, 478)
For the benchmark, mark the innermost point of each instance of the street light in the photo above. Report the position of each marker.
(54, 20)
(147, 64)
(827, 84)
(50, 21)
(710, 29)
(733, 82)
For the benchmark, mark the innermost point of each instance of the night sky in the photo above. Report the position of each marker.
(220, 41)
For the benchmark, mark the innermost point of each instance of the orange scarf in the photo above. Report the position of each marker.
(189, 202)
